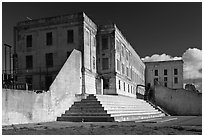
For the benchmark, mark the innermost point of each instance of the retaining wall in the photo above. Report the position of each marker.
(178, 102)
(22, 106)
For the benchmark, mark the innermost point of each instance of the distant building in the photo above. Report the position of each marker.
(43, 45)
(167, 73)
(118, 64)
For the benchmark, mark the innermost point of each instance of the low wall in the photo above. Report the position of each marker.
(178, 102)
(21, 106)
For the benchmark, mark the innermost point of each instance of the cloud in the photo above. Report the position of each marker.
(192, 58)
(192, 63)
(162, 57)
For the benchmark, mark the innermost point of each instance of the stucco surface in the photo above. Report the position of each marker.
(178, 102)
(20, 106)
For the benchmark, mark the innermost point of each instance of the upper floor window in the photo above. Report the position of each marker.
(104, 43)
(165, 71)
(29, 41)
(127, 71)
(49, 60)
(105, 63)
(29, 62)
(118, 65)
(70, 36)
(165, 79)
(49, 38)
(94, 63)
(175, 71)
(123, 51)
(175, 80)
(156, 72)
(123, 69)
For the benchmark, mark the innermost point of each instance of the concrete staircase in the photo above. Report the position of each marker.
(108, 108)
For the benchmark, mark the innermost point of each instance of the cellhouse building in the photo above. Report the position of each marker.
(43, 45)
(109, 63)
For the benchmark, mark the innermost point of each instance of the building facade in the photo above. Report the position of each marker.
(43, 45)
(167, 73)
(109, 63)
(118, 65)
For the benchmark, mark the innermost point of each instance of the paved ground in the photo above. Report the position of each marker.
(185, 125)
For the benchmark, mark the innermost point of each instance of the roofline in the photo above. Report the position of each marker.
(164, 61)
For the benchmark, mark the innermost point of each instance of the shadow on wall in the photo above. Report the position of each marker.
(20, 106)
(178, 102)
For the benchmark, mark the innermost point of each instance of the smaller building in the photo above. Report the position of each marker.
(167, 73)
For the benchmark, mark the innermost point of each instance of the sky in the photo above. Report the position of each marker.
(165, 30)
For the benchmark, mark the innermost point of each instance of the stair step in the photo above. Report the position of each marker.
(85, 114)
(86, 118)
(136, 117)
(107, 108)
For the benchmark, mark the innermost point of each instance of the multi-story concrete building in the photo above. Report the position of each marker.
(167, 73)
(118, 64)
(43, 45)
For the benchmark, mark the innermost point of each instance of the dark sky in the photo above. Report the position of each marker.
(151, 28)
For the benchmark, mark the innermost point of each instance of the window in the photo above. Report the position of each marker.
(127, 71)
(105, 63)
(104, 43)
(70, 36)
(127, 54)
(29, 62)
(165, 78)
(119, 84)
(175, 71)
(128, 88)
(175, 80)
(165, 84)
(165, 71)
(49, 38)
(118, 65)
(94, 64)
(123, 51)
(29, 81)
(29, 41)
(124, 85)
(156, 72)
(49, 60)
(123, 69)
(106, 83)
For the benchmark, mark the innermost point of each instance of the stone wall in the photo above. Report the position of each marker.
(21, 106)
(178, 102)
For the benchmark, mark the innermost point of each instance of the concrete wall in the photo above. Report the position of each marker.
(178, 102)
(20, 106)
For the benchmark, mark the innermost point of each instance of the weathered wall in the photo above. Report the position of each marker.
(178, 102)
(20, 106)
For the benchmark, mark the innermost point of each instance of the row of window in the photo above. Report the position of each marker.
(48, 60)
(156, 72)
(166, 80)
(49, 38)
(130, 89)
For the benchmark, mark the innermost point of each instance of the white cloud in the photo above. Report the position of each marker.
(192, 63)
(162, 57)
(192, 58)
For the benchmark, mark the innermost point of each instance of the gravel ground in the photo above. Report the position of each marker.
(186, 125)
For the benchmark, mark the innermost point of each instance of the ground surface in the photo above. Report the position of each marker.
(185, 125)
